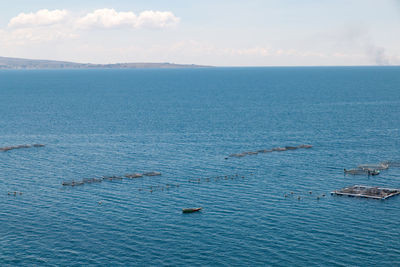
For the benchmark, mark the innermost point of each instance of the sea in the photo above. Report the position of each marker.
(265, 209)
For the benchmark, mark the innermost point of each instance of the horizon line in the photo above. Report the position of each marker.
(182, 64)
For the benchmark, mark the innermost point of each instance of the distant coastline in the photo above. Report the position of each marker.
(21, 63)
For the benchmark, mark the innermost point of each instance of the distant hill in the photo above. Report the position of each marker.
(21, 63)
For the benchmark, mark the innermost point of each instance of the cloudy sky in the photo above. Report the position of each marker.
(212, 32)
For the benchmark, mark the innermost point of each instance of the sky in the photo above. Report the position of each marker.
(207, 32)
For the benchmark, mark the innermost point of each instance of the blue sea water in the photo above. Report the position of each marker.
(184, 123)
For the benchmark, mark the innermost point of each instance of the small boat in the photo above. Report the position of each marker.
(191, 210)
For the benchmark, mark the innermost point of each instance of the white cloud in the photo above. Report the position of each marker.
(51, 25)
(38, 27)
(156, 19)
(40, 18)
(110, 18)
(106, 18)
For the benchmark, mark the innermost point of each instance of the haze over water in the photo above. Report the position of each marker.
(184, 123)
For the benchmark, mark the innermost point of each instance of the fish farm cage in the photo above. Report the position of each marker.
(367, 192)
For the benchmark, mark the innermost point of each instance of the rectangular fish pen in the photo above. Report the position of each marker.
(367, 192)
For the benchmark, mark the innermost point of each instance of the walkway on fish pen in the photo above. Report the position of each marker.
(109, 178)
(7, 148)
(373, 192)
(275, 149)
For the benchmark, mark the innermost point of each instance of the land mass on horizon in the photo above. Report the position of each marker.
(21, 63)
